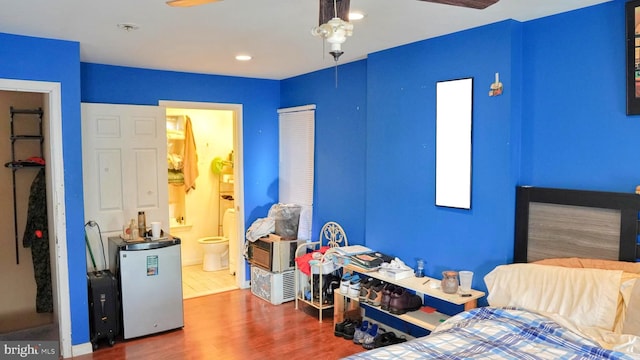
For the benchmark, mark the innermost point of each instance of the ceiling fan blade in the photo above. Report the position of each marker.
(474, 4)
(327, 11)
(188, 3)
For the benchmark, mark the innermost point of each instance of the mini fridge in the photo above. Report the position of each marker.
(150, 279)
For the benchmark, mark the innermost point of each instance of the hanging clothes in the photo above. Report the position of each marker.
(190, 157)
(36, 237)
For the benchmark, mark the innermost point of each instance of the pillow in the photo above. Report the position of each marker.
(574, 262)
(631, 319)
(588, 297)
(630, 270)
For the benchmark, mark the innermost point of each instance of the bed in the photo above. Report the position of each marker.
(573, 291)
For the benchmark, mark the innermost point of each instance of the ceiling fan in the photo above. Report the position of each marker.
(334, 25)
(341, 10)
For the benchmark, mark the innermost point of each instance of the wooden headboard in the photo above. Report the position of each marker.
(575, 223)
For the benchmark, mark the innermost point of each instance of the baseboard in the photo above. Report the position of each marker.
(82, 349)
(246, 284)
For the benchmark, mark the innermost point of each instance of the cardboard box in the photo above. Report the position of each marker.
(274, 237)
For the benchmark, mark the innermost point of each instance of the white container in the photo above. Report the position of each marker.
(397, 274)
(327, 267)
(466, 277)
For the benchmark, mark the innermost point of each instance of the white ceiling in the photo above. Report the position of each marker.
(206, 38)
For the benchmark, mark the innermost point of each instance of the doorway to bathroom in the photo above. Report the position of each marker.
(204, 157)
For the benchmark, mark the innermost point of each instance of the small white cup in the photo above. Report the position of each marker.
(466, 277)
(155, 229)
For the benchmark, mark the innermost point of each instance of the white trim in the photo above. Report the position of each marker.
(238, 157)
(297, 108)
(61, 268)
(82, 349)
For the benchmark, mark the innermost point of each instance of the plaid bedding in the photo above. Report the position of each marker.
(496, 333)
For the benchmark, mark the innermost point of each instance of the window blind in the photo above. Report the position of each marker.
(296, 165)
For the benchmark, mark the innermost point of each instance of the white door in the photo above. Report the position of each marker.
(124, 151)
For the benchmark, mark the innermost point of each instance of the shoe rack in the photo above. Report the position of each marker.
(331, 235)
(343, 303)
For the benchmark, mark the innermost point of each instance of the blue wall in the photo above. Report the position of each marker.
(28, 58)
(391, 156)
(402, 218)
(340, 130)
(561, 122)
(576, 131)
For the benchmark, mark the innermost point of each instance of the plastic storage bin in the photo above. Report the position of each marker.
(287, 219)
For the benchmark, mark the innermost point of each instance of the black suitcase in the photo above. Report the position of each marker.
(103, 307)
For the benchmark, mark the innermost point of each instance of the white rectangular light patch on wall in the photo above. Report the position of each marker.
(454, 107)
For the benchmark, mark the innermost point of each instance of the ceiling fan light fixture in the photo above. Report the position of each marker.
(335, 31)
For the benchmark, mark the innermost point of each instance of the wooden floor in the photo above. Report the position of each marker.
(237, 325)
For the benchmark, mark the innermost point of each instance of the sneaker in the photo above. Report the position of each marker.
(354, 287)
(358, 336)
(375, 294)
(369, 336)
(344, 283)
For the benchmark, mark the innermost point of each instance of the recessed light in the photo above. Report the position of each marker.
(243, 57)
(356, 16)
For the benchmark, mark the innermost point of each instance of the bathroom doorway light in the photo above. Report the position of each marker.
(243, 57)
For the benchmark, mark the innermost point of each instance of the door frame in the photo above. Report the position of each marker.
(238, 157)
(56, 207)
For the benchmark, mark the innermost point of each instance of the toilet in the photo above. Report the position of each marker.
(216, 248)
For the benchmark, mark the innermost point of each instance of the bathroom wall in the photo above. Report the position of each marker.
(17, 279)
(213, 135)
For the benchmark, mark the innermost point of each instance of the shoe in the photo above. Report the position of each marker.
(344, 283)
(403, 301)
(369, 337)
(358, 336)
(349, 329)
(387, 338)
(375, 294)
(354, 287)
(338, 330)
(386, 296)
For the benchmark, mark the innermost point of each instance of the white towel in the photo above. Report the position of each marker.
(190, 158)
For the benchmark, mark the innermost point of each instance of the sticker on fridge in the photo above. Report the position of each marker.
(152, 265)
